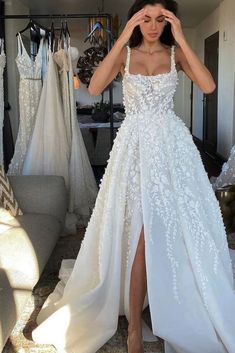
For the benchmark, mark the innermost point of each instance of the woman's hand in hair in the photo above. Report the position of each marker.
(189, 62)
(134, 21)
(176, 28)
(112, 64)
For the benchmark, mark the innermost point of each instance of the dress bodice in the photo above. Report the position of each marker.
(154, 93)
(28, 68)
(61, 60)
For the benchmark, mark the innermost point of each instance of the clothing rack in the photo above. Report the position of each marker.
(71, 16)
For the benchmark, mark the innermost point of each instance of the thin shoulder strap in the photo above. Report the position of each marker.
(20, 44)
(172, 56)
(128, 59)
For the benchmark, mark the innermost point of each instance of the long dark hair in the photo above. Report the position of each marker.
(166, 36)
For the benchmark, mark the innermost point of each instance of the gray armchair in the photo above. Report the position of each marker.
(27, 243)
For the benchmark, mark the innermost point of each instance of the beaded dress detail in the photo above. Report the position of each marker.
(155, 177)
(29, 95)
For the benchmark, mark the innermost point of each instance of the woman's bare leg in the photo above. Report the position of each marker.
(138, 288)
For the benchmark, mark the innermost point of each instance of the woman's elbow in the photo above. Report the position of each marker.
(92, 91)
(210, 89)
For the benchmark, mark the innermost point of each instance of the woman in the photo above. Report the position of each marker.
(156, 234)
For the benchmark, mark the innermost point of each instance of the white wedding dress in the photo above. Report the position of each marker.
(61, 59)
(154, 177)
(29, 96)
(82, 184)
(48, 151)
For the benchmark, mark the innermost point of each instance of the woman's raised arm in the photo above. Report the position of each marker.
(112, 63)
(189, 62)
(107, 69)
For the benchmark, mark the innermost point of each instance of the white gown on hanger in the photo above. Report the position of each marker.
(83, 187)
(155, 176)
(61, 60)
(29, 95)
(82, 184)
(2, 66)
(48, 152)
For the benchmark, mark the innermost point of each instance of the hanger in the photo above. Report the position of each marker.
(38, 25)
(64, 33)
(62, 30)
(67, 29)
(98, 25)
(32, 25)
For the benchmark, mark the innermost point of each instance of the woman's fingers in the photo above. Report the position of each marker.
(137, 18)
(134, 21)
(169, 14)
(139, 14)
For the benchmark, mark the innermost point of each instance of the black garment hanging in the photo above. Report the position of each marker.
(52, 36)
(8, 144)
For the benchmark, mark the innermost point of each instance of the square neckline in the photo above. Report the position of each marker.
(126, 69)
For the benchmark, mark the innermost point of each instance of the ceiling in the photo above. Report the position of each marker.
(191, 12)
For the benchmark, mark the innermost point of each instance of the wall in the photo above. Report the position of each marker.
(226, 104)
(209, 26)
(223, 20)
(182, 98)
(12, 27)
